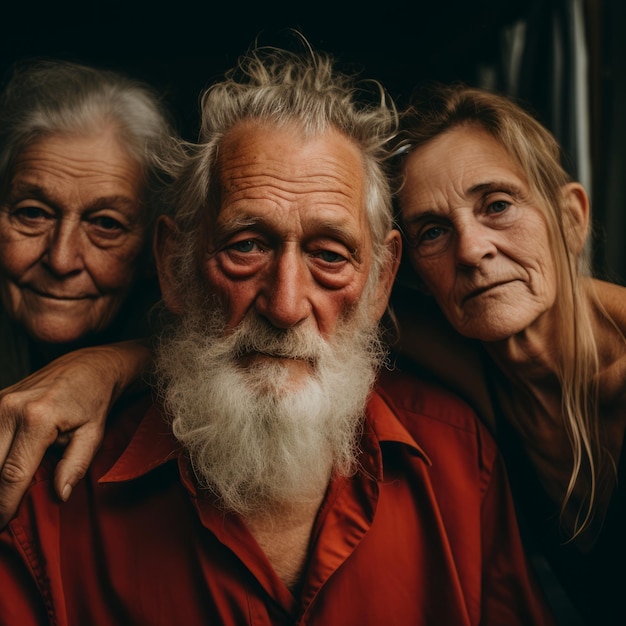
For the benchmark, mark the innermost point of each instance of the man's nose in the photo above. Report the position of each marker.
(474, 243)
(284, 299)
(65, 252)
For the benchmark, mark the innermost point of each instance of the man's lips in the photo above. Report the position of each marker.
(249, 357)
(269, 354)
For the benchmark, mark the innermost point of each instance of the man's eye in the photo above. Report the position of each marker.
(328, 256)
(246, 245)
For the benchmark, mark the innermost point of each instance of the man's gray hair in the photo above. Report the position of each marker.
(282, 87)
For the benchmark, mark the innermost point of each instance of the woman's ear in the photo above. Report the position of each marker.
(166, 236)
(577, 202)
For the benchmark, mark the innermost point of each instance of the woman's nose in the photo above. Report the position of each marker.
(65, 254)
(474, 243)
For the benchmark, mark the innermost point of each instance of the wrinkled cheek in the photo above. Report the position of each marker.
(234, 299)
(339, 308)
(542, 286)
(15, 261)
(112, 274)
(105, 311)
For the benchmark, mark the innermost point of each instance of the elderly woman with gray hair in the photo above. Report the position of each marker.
(82, 154)
(496, 231)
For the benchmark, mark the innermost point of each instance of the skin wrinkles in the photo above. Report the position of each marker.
(225, 230)
(283, 252)
(493, 276)
(274, 255)
(71, 228)
(124, 204)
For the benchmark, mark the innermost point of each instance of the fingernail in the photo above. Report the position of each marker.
(65, 494)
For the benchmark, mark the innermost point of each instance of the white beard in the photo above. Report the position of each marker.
(256, 437)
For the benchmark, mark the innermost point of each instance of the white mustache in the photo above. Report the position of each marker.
(255, 336)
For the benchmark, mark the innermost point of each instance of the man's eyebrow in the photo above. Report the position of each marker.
(225, 227)
(339, 232)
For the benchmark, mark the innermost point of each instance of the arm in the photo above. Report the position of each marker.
(66, 402)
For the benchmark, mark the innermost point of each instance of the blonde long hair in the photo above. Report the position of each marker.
(442, 107)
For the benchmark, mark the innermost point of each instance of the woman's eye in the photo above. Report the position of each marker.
(430, 234)
(499, 206)
(31, 213)
(429, 238)
(107, 223)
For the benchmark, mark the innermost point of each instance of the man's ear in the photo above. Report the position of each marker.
(577, 202)
(393, 243)
(166, 238)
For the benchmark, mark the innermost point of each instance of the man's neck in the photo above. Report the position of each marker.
(284, 535)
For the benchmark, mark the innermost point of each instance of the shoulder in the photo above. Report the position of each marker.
(435, 416)
(122, 422)
(613, 298)
(36, 528)
(611, 345)
(461, 453)
(411, 394)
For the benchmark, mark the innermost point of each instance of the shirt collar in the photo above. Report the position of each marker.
(386, 426)
(152, 445)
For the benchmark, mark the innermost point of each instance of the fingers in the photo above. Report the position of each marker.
(50, 405)
(23, 458)
(8, 428)
(76, 459)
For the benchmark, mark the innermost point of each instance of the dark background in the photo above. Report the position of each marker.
(182, 46)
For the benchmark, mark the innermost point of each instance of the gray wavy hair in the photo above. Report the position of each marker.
(45, 97)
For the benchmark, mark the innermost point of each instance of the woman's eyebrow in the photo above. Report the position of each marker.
(497, 185)
(36, 192)
(426, 214)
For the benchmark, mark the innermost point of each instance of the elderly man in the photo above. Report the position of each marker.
(273, 480)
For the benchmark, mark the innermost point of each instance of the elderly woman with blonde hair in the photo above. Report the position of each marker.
(496, 231)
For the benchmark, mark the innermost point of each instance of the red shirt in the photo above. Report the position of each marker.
(425, 534)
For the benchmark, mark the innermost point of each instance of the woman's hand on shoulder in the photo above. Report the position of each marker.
(64, 403)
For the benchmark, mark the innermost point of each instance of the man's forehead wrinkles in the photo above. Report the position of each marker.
(262, 172)
(326, 189)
